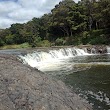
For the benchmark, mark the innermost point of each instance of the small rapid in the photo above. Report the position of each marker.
(85, 69)
(87, 73)
(52, 59)
(108, 50)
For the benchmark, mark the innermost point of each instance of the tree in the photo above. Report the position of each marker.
(16, 30)
(60, 20)
(68, 23)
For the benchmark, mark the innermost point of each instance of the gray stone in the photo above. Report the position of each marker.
(25, 88)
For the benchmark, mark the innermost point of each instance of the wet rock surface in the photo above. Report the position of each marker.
(25, 88)
(95, 49)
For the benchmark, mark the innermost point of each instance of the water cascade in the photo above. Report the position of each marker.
(93, 51)
(86, 70)
(108, 50)
(52, 58)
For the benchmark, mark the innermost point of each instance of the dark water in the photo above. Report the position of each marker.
(92, 84)
(90, 78)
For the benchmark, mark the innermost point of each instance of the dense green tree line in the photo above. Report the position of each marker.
(69, 23)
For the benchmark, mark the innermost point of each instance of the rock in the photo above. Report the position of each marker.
(95, 49)
(25, 88)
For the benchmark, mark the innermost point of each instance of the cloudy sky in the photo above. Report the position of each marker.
(20, 11)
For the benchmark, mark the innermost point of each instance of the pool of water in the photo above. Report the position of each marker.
(88, 76)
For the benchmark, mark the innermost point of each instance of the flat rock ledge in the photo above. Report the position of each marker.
(25, 88)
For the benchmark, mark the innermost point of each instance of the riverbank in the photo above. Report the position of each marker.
(25, 88)
(98, 48)
(15, 46)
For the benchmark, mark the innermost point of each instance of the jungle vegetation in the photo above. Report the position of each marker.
(68, 23)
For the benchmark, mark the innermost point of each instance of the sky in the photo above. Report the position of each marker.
(21, 11)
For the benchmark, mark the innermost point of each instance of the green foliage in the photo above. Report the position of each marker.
(94, 37)
(25, 45)
(69, 23)
(85, 37)
(14, 46)
(9, 39)
(35, 41)
(44, 43)
(2, 42)
(60, 41)
(97, 37)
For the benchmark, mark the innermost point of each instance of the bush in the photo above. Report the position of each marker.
(59, 41)
(15, 46)
(98, 40)
(9, 39)
(2, 43)
(24, 45)
(95, 37)
(35, 41)
(85, 37)
(44, 43)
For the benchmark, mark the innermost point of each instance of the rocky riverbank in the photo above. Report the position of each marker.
(95, 49)
(25, 88)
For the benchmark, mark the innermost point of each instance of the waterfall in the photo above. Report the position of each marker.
(52, 58)
(93, 51)
(108, 50)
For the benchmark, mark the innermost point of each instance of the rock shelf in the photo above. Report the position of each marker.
(26, 88)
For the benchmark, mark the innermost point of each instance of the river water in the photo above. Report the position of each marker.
(87, 74)
(90, 79)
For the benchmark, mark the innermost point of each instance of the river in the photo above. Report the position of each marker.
(90, 79)
(87, 74)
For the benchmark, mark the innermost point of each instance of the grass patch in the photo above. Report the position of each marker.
(44, 43)
(15, 46)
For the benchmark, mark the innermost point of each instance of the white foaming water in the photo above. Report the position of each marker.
(101, 96)
(108, 50)
(53, 59)
(93, 51)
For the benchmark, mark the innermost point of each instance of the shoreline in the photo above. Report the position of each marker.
(94, 49)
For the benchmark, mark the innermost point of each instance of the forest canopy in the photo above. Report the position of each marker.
(69, 23)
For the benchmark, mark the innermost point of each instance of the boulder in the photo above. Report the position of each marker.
(26, 88)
